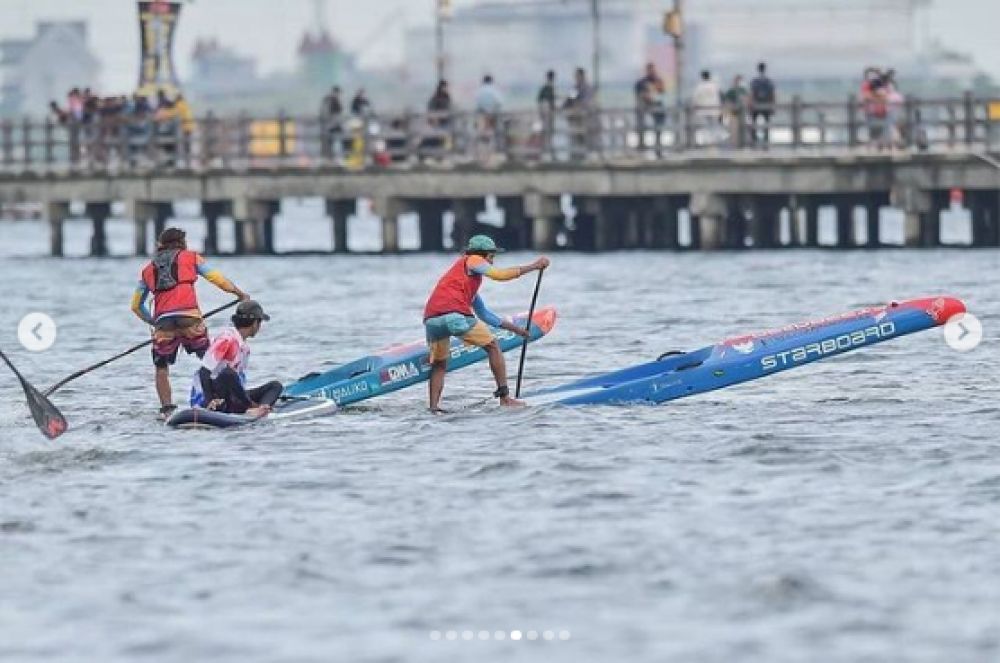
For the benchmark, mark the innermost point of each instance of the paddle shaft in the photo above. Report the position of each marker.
(524, 346)
(12, 367)
(135, 348)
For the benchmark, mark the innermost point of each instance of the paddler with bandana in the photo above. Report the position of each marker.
(456, 309)
(176, 316)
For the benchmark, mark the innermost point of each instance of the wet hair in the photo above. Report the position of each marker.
(705, 75)
(172, 238)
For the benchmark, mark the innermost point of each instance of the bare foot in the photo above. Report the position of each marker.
(259, 411)
(437, 410)
(507, 401)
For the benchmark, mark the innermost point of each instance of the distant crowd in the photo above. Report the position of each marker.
(741, 114)
(110, 123)
(567, 122)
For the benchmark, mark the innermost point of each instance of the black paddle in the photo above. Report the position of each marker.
(524, 347)
(83, 371)
(47, 417)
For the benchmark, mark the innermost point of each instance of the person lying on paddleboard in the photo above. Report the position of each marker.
(456, 309)
(176, 317)
(220, 383)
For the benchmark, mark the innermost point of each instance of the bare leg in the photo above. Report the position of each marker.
(163, 385)
(436, 383)
(499, 368)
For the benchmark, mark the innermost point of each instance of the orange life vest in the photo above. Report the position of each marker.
(454, 292)
(170, 276)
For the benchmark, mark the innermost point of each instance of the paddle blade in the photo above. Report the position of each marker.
(47, 416)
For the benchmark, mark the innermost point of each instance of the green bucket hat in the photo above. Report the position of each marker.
(482, 243)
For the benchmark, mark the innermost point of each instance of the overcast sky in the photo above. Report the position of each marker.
(270, 29)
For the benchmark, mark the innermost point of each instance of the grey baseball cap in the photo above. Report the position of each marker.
(251, 310)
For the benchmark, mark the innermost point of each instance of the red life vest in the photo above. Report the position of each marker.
(170, 276)
(454, 292)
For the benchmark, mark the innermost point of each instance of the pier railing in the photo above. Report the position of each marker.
(122, 144)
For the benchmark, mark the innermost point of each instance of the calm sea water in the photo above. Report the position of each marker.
(845, 511)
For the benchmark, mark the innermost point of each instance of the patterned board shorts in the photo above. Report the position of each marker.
(173, 334)
(441, 328)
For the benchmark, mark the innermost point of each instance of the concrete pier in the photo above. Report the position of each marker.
(768, 201)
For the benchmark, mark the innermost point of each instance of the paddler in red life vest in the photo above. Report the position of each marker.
(455, 305)
(176, 318)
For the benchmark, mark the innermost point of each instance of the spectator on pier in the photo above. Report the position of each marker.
(546, 97)
(439, 106)
(706, 102)
(437, 140)
(874, 102)
(736, 102)
(331, 113)
(582, 97)
(546, 101)
(187, 123)
(361, 106)
(489, 103)
(762, 100)
(649, 105)
(579, 109)
(61, 116)
(74, 105)
(896, 113)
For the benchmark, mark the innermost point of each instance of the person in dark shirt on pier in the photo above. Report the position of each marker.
(546, 101)
(762, 98)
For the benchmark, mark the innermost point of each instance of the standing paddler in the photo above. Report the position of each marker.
(456, 309)
(176, 317)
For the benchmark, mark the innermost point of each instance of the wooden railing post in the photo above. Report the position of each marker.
(852, 121)
(7, 138)
(208, 129)
(74, 142)
(911, 117)
(687, 121)
(50, 152)
(969, 115)
(282, 137)
(796, 121)
(243, 137)
(26, 141)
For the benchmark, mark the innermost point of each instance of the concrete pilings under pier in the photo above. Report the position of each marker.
(546, 222)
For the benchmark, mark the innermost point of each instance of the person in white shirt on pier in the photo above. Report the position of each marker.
(706, 102)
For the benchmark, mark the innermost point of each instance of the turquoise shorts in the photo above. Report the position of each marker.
(449, 324)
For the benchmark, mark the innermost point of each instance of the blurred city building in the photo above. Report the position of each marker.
(816, 48)
(35, 71)
(225, 81)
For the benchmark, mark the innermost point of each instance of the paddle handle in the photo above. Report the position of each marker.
(524, 346)
(135, 348)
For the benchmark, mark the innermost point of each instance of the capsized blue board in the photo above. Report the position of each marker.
(752, 356)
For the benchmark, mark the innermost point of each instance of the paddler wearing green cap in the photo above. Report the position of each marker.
(456, 309)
